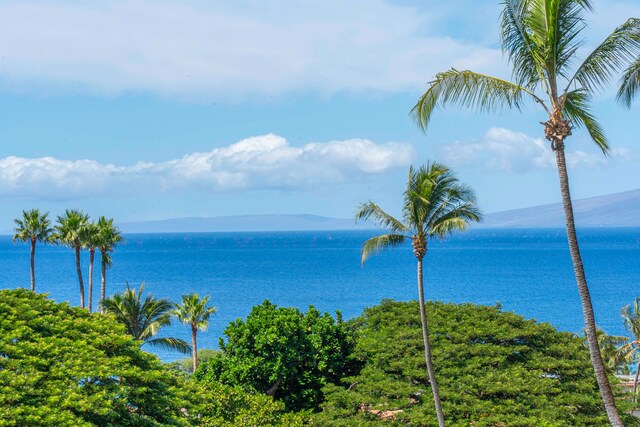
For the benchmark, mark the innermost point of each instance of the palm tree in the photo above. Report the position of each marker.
(630, 83)
(630, 352)
(144, 318)
(194, 312)
(90, 240)
(33, 227)
(69, 231)
(610, 350)
(108, 236)
(541, 39)
(435, 205)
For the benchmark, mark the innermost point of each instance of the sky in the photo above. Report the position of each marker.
(142, 110)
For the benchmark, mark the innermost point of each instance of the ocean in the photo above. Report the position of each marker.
(527, 271)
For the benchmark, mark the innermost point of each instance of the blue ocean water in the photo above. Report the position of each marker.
(527, 271)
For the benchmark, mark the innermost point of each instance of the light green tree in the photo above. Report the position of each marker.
(542, 39)
(69, 231)
(630, 352)
(34, 227)
(193, 311)
(144, 318)
(435, 205)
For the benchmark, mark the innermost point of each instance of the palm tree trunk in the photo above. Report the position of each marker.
(103, 282)
(583, 290)
(635, 383)
(77, 249)
(33, 265)
(194, 347)
(92, 253)
(427, 348)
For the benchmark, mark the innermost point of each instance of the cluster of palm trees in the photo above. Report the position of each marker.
(75, 230)
(144, 318)
(542, 40)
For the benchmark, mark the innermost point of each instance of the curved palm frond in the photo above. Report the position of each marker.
(516, 41)
(630, 83)
(33, 226)
(578, 111)
(472, 90)
(620, 48)
(375, 244)
(372, 212)
(170, 344)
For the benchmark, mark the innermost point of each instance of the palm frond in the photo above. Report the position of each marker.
(372, 212)
(470, 90)
(630, 83)
(375, 244)
(578, 111)
(170, 344)
(615, 53)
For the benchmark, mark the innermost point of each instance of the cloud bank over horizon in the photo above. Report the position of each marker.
(261, 162)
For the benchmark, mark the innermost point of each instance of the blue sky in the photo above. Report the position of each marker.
(149, 110)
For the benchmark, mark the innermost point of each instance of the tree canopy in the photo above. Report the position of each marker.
(494, 369)
(283, 352)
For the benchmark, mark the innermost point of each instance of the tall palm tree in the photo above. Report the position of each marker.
(33, 227)
(542, 39)
(69, 231)
(90, 240)
(435, 205)
(630, 352)
(194, 312)
(610, 350)
(144, 318)
(108, 236)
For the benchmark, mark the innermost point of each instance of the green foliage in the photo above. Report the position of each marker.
(194, 312)
(212, 404)
(34, 226)
(493, 369)
(283, 352)
(61, 366)
(144, 318)
(186, 364)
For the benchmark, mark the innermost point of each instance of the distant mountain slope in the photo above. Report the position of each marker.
(613, 210)
(243, 223)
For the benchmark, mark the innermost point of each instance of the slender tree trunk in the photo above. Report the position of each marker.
(103, 282)
(92, 254)
(33, 265)
(635, 382)
(427, 348)
(77, 249)
(194, 347)
(583, 290)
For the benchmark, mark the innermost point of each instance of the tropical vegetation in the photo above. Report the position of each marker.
(629, 353)
(194, 312)
(435, 205)
(542, 40)
(144, 318)
(284, 353)
(33, 227)
(70, 231)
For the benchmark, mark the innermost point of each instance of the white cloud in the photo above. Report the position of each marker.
(507, 151)
(261, 162)
(227, 49)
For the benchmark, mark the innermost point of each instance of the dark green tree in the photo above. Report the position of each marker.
(494, 369)
(284, 353)
(34, 227)
(144, 318)
(435, 205)
(542, 39)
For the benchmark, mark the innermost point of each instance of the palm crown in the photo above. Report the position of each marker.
(435, 205)
(107, 236)
(71, 228)
(194, 311)
(541, 39)
(144, 318)
(33, 226)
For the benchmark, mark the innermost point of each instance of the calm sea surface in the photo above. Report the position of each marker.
(527, 271)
